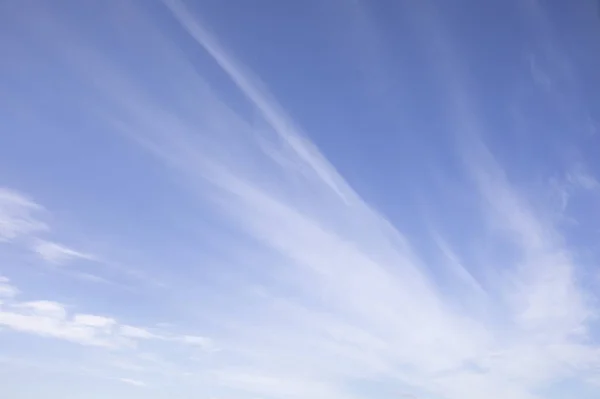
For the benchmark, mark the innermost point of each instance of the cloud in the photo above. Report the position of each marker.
(105, 323)
(456, 266)
(19, 219)
(550, 313)
(375, 309)
(23, 229)
(17, 215)
(51, 319)
(581, 179)
(136, 332)
(576, 181)
(344, 299)
(54, 320)
(58, 254)
(133, 382)
(204, 343)
(554, 71)
(6, 289)
(272, 113)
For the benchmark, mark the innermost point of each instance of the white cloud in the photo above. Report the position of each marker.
(53, 320)
(272, 113)
(374, 310)
(549, 313)
(43, 308)
(456, 266)
(368, 273)
(94, 321)
(581, 179)
(17, 215)
(56, 253)
(133, 382)
(49, 319)
(136, 332)
(356, 302)
(198, 341)
(21, 226)
(6, 289)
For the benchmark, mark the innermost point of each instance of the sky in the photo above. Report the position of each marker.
(325, 199)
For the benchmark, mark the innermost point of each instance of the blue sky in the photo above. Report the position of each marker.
(313, 199)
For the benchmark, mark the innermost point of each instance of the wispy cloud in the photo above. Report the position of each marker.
(271, 112)
(340, 296)
(582, 179)
(57, 253)
(21, 219)
(136, 332)
(133, 382)
(553, 71)
(204, 343)
(24, 228)
(17, 215)
(417, 338)
(456, 265)
(54, 320)
(7, 290)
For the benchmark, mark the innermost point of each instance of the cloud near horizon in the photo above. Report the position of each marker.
(288, 282)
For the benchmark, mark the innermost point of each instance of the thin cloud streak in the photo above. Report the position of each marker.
(17, 215)
(57, 253)
(548, 308)
(52, 319)
(272, 113)
(131, 381)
